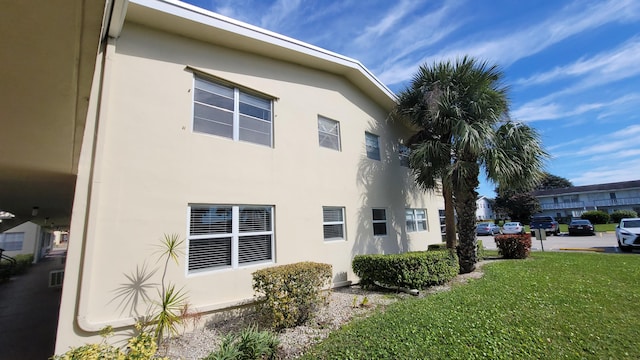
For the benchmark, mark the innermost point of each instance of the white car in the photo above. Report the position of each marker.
(513, 228)
(628, 234)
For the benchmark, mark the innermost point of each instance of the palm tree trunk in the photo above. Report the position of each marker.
(465, 203)
(449, 218)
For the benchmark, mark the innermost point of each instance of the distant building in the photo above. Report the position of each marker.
(573, 201)
(484, 208)
(26, 238)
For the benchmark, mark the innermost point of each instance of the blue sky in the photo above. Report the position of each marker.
(573, 67)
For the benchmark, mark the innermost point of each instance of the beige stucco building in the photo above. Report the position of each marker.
(257, 149)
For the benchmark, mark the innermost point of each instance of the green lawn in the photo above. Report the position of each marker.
(550, 306)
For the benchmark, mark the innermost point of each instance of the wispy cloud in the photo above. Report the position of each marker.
(605, 67)
(517, 45)
(542, 109)
(280, 11)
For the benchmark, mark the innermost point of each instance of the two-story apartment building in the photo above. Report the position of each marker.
(573, 201)
(257, 149)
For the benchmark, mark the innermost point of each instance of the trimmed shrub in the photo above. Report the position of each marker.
(596, 216)
(291, 292)
(516, 246)
(435, 247)
(23, 262)
(413, 270)
(618, 215)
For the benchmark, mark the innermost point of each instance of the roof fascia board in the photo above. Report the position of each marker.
(118, 14)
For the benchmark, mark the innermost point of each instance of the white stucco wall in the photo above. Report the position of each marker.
(149, 166)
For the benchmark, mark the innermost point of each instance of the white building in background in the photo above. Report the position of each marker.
(484, 209)
(573, 201)
(26, 238)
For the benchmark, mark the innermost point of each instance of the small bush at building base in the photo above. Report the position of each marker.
(291, 292)
(436, 247)
(413, 270)
(249, 344)
(517, 246)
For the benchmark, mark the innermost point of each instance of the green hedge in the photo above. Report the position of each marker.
(516, 246)
(291, 292)
(413, 270)
(618, 215)
(596, 216)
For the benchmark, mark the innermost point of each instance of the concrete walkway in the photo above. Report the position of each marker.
(29, 311)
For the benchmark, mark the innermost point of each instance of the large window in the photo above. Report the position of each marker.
(226, 236)
(12, 241)
(372, 143)
(229, 112)
(416, 220)
(329, 133)
(333, 223)
(379, 217)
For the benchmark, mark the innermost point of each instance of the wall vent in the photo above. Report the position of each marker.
(55, 278)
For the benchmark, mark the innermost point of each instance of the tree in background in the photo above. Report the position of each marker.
(517, 205)
(520, 204)
(460, 113)
(550, 181)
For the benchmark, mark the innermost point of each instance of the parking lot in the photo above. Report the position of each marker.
(604, 242)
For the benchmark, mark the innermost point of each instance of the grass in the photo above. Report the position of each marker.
(550, 306)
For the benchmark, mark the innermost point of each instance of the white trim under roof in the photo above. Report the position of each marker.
(191, 21)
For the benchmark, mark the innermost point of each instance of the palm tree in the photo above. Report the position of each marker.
(460, 112)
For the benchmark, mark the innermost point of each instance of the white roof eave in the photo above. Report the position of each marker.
(185, 19)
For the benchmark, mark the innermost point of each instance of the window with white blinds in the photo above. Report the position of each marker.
(229, 112)
(329, 133)
(333, 223)
(416, 220)
(229, 236)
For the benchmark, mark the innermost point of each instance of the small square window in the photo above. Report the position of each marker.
(329, 133)
(372, 143)
(379, 222)
(416, 220)
(333, 223)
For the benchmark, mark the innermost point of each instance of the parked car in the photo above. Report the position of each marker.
(548, 223)
(628, 234)
(513, 228)
(581, 226)
(488, 229)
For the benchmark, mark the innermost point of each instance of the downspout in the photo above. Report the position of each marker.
(114, 18)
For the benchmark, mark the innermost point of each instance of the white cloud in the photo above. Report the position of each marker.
(544, 109)
(567, 22)
(280, 11)
(614, 172)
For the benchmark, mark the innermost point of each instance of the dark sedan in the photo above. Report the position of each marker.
(581, 227)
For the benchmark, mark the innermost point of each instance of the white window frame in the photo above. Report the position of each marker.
(383, 221)
(370, 149)
(237, 92)
(415, 221)
(321, 133)
(342, 222)
(235, 236)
